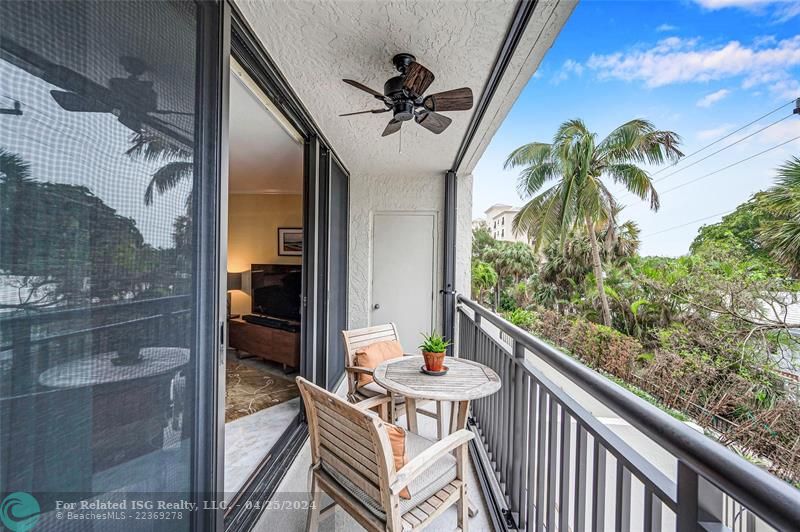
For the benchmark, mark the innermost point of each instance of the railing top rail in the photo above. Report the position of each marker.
(60, 313)
(775, 501)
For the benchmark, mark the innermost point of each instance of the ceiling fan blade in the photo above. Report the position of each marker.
(392, 127)
(374, 111)
(433, 121)
(70, 101)
(417, 79)
(453, 100)
(363, 88)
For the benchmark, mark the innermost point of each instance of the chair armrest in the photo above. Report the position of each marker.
(359, 369)
(372, 402)
(427, 458)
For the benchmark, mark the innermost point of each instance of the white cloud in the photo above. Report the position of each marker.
(665, 28)
(676, 60)
(569, 68)
(781, 10)
(714, 132)
(720, 4)
(710, 99)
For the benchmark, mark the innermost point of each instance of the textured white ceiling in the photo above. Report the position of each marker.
(317, 43)
(263, 157)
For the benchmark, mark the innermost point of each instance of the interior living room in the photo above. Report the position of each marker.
(264, 263)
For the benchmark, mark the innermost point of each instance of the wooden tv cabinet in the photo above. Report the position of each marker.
(274, 345)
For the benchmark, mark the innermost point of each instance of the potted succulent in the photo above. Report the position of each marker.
(433, 348)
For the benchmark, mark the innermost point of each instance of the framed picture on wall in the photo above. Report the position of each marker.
(290, 241)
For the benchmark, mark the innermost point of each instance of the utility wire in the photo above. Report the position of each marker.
(725, 137)
(734, 143)
(728, 166)
(688, 223)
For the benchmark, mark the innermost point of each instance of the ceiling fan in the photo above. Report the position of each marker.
(129, 99)
(403, 95)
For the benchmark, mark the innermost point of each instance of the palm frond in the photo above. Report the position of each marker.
(540, 217)
(639, 141)
(532, 154)
(636, 180)
(166, 178)
(532, 178)
(152, 146)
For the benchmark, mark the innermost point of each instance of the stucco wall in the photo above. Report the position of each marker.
(414, 193)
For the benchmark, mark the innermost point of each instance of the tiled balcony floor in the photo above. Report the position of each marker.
(294, 489)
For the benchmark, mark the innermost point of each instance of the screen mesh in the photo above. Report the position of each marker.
(97, 134)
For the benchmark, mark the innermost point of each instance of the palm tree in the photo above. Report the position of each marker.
(483, 278)
(155, 147)
(510, 259)
(579, 164)
(781, 235)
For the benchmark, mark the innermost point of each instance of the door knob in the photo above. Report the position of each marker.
(376, 306)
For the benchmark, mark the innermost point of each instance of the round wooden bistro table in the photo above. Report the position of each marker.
(465, 380)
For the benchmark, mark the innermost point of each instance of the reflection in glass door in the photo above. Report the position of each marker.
(99, 267)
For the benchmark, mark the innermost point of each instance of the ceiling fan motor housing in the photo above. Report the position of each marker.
(393, 88)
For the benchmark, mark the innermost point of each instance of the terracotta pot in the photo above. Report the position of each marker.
(433, 361)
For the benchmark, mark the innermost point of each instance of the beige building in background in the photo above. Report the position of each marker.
(499, 220)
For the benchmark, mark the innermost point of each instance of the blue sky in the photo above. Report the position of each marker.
(701, 68)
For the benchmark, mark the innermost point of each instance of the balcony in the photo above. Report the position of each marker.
(551, 462)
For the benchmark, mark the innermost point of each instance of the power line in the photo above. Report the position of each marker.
(734, 143)
(689, 223)
(725, 137)
(728, 166)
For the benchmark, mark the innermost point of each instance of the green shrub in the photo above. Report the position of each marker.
(522, 318)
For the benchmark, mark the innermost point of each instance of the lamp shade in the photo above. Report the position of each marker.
(234, 281)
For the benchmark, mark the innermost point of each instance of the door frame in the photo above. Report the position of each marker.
(243, 512)
(435, 269)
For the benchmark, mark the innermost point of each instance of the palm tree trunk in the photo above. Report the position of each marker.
(598, 272)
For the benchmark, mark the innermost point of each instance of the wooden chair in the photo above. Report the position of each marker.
(359, 338)
(352, 462)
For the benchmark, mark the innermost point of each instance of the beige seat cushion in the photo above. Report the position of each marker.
(436, 477)
(373, 354)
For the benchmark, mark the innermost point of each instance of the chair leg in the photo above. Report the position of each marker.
(312, 524)
(463, 505)
(439, 420)
(463, 500)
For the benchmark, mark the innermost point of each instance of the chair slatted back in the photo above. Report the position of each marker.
(357, 338)
(348, 440)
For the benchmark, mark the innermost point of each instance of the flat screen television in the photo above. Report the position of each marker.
(275, 290)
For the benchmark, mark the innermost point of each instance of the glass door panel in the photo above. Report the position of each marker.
(100, 269)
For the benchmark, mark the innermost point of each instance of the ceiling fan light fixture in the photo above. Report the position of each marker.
(403, 110)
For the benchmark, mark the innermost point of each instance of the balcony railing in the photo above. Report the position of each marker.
(553, 465)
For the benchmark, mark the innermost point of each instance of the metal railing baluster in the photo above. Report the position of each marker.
(541, 437)
(622, 519)
(533, 403)
(518, 441)
(552, 463)
(580, 478)
(598, 486)
(687, 498)
(563, 478)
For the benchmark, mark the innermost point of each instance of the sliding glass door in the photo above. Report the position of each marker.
(109, 329)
